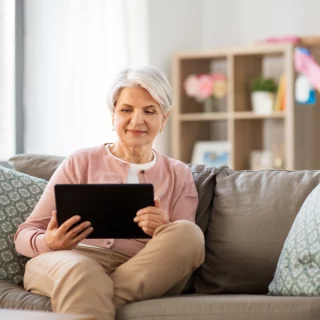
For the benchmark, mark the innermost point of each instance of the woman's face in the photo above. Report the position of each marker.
(137, 117)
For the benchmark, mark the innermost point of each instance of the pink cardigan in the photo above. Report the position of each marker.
(172, 181)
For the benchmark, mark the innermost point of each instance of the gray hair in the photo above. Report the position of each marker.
(147, 77)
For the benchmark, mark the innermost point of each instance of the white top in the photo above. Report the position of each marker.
(134, 167)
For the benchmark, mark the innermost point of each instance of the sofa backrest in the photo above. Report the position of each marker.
(252, 214)
(37, 165)
(245, 216)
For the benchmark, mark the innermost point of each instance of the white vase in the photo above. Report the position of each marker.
(262, 102)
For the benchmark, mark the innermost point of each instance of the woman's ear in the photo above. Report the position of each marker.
(164, 120)
(165, 117)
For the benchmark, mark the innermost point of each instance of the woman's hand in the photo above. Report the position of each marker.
(150, 218)
(66, 237)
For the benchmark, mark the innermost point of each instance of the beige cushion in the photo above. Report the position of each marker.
(37, 165)
(253, 213)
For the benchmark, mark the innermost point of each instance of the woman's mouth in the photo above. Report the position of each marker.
(136, 132)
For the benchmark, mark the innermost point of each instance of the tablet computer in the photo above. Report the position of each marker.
(110, 208)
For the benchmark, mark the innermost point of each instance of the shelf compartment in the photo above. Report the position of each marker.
(257, 134)
(187, 65)
(248, 67)
(193, 131)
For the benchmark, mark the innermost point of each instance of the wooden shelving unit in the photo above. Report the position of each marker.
(297, 128)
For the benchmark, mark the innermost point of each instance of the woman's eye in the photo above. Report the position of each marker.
(125, 110)
(149, 112)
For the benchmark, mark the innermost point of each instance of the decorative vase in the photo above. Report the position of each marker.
(208, 105)
(262, 102)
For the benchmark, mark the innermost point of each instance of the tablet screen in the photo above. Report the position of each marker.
(110, 208)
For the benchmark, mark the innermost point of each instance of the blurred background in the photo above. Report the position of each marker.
(57, 58)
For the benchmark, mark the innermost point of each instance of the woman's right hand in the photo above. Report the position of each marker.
(66, 237)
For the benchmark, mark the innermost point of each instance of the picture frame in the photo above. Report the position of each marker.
(261, 160)
(212, 153)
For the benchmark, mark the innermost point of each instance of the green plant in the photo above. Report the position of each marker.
(264, 84)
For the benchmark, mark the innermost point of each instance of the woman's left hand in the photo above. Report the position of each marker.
(150, 218)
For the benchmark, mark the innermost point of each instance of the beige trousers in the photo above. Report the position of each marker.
(96, 281)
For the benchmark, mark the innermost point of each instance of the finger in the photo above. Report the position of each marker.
(68, 224)
(53, 223)
(148, 224)
(73, 232)
(148, 231)
(82, 235)
(151, 218)
(149, 210)
(157, 203)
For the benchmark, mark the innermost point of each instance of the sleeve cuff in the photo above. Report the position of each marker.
(41, 245)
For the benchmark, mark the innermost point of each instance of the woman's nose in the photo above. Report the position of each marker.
(137, 117)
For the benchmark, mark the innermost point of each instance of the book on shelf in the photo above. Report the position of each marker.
(280, 103)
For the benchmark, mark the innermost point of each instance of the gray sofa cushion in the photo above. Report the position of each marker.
(200, 307)
(13, 296)
(204, 178)
(37, 165)
(223, 307)
(252, 215)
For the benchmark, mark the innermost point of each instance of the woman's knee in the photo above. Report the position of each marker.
(188, 238)
(189, 232)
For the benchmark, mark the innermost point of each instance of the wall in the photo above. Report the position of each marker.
(155, 30)
(172, 26)
(210, 24)
(7, 79)
(233, 22)
(72, 51)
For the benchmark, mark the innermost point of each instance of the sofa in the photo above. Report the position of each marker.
(246, 217)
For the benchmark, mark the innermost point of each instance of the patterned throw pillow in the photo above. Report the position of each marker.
(298, 269)
(19, 193)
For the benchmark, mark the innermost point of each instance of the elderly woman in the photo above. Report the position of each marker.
(96, 276)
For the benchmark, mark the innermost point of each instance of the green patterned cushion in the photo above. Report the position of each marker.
(298, 269)
(19, 193)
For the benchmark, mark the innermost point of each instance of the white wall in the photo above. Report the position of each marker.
(73, 49)
(234, 22)
(173, 25)
(56, 126)
(7, 79)
(177, 25)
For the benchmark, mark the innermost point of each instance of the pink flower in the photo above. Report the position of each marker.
(205, 86)
(191, 85)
